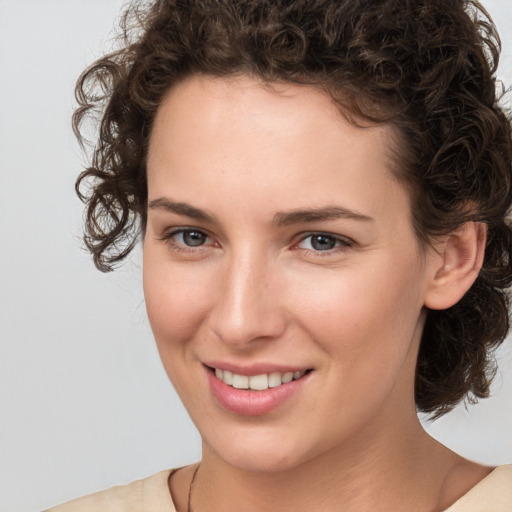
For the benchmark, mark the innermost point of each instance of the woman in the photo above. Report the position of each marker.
(321, 189)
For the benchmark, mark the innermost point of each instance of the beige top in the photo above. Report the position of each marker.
(492, 494)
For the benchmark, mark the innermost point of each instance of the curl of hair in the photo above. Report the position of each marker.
(426, 67)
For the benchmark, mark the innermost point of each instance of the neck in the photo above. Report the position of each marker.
(369, 470)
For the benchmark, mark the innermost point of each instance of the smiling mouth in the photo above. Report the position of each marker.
(257, 382)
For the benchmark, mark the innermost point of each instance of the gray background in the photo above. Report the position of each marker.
(84, 402)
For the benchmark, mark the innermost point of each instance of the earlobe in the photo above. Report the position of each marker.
(456, 266)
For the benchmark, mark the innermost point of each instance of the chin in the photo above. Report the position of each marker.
(258, 461)
(259, 452)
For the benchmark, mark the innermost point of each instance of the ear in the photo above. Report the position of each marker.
(455, 265)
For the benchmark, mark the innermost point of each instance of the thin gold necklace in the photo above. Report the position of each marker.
(189, 507)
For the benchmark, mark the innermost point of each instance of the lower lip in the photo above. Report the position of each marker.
(252, 403)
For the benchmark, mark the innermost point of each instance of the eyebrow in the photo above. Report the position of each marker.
(287, 218)
(162, 203)
(282, 218)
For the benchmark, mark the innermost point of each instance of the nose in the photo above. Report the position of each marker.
(249, 302)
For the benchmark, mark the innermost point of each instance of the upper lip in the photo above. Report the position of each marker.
(255, 368)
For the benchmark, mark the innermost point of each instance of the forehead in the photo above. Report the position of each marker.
(239, 137)
(224, 106)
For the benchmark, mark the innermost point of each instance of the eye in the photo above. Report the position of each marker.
(322, 242)
(190, 238)
(187, 238)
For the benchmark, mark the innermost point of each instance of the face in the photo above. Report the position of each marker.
(279, 255)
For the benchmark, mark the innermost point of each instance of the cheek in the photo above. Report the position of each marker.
(175, 306)
(175, 302)
(365, 323)
(368, 316)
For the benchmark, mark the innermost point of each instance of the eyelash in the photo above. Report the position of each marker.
(169, 238)
(341, 243)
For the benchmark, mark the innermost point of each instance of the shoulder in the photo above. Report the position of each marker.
(492, 494)
(148, 495)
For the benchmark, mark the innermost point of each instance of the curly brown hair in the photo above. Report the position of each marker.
(424, 66)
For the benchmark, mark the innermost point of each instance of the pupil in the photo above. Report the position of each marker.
(322, 242)
(193, 238)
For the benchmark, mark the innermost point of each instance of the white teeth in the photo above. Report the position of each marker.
(274, 380)
(257, 382)
(228, 377)
(240, 381)
(287, 377)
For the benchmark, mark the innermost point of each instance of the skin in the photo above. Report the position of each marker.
(256, 290)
